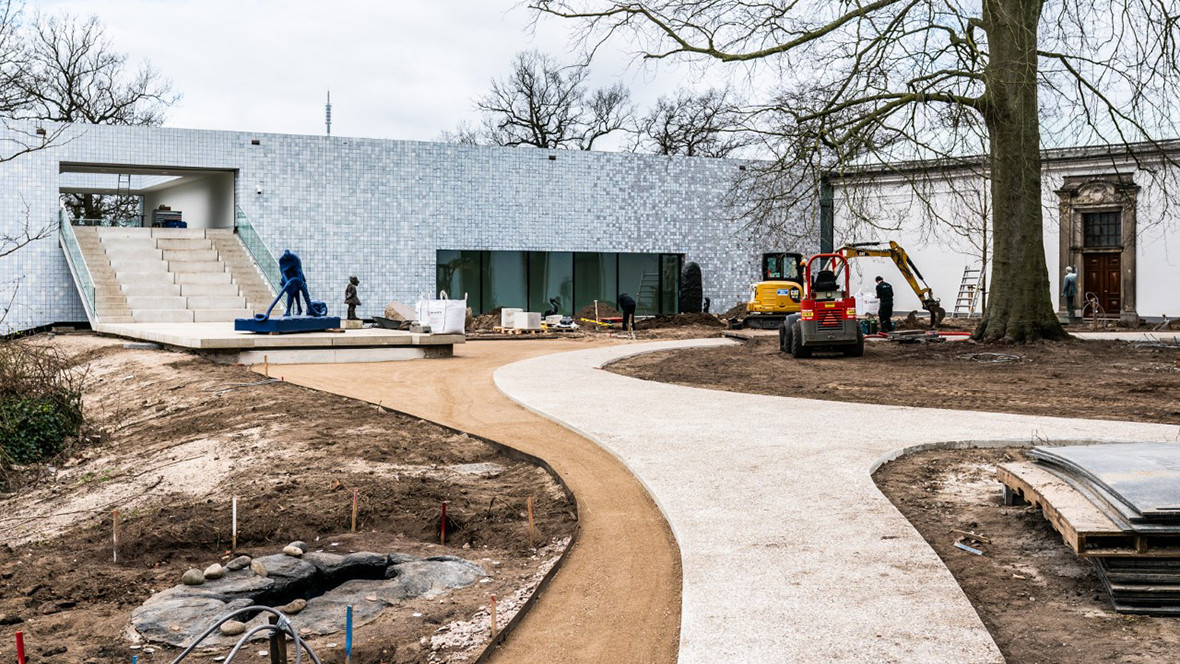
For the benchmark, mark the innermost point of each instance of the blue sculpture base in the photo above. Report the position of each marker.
(287, 324)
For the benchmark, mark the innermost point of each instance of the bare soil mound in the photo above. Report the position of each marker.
(1040, 602)
(185, 435)
(487, 321)
(1114, 380)
(604, 311)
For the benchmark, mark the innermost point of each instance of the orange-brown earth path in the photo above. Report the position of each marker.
(617, 597)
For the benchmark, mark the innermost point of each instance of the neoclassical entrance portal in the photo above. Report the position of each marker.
(1098, 240)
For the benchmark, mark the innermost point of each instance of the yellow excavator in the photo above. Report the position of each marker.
(901, 259)
(779, 292)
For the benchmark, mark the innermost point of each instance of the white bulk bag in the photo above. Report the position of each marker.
(444, 315)
(867, 303)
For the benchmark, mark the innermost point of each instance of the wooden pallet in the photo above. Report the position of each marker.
(1082, 525)
(513, 330)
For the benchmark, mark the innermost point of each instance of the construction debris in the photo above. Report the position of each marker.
(1119, 506)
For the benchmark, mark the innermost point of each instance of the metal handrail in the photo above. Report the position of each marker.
(123, 222)
(77, 263)
(266, 261)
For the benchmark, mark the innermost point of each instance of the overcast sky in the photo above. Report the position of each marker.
(403, 69)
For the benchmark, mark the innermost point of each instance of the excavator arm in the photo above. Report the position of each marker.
(901, 259)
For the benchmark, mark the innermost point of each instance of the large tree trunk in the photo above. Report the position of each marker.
(1020, 306)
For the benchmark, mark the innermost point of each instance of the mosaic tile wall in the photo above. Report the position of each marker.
(380, 209)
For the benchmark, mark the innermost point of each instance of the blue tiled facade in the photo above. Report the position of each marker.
(380, 209)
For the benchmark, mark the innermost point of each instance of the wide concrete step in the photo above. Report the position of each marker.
(178, 233)
(184, 244)
(138, 303)
(172, 255)
(180, 267)
(151, 290)
(111, 311)
(115, 319)
(236, 302)
(128, 244)
(123, 233)
(134, 253)
(126, 278)
(188, 278)
(210, 290)
(219, 315)
(163, 316)
(131, 265)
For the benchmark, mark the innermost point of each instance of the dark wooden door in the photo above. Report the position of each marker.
(1103, 278)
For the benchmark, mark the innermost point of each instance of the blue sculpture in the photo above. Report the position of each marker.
(293, 284)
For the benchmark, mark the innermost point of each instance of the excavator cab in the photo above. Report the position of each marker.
(779, 292)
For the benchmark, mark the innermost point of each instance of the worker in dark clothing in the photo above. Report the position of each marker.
(885, 309)
(627, 306)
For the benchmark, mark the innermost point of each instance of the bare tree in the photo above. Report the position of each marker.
(548, 105)
(708, 124)
(934, 82)
(70, 73)
(16, 138)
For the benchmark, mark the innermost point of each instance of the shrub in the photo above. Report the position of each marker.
(40, 403)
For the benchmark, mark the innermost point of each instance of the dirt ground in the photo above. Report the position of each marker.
(1114, 380)
(180, 435)
(1041, 603)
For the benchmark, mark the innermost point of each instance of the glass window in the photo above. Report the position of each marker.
(639, 276)
(595, 278)
(458, 273)
(670, 283)
(551, 275)
(504, 280)
(1102, 229)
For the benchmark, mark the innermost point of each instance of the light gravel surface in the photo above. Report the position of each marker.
(790, 553)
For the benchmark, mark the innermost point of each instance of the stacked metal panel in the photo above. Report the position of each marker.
(1136, 486)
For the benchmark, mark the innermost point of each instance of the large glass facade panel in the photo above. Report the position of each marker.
(504, 280)
(458, 273)
(639, 276)
(551, 275)
(670, 283)
(595, 278)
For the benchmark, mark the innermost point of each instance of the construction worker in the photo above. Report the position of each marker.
(627, 307)
(885, 309)
(1069, 290)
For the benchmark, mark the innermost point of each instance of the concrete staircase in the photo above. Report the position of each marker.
(171, 275)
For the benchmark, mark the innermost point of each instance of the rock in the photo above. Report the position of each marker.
(50, 652)
(193, 577)
(399, 558)
(293, 607)
(301, 545)
(48, 608)
(232, 628)
(214, 571)
(11, 619)
(293, 551)
(258, 568)
(177, 608)
(352, 566)
(397, 311)
(241, 562)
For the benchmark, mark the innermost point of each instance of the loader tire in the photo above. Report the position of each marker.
(798, 351)
(857, 350)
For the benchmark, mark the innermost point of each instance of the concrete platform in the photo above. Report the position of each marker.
(364, 345)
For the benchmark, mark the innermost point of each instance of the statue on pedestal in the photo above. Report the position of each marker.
(350, 297)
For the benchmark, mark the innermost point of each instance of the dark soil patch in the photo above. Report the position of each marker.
(1091, 379)
(603, 310)
(176, 449)
(679, 320)
(1040, 602)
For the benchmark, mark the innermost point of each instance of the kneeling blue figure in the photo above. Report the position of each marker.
(293, 285)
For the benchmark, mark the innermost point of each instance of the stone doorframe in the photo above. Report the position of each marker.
(1098, 193)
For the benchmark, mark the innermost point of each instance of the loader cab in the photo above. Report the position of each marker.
(782, 266)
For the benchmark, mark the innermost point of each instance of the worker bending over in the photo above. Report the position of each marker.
(627, 306)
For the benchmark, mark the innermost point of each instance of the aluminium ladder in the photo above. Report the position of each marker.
(970, 288)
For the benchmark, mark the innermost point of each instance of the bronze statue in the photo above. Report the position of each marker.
(350, 297)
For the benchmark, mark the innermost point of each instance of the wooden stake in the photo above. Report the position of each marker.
(278, 643)
(442, 537)
(532, 532)
(234, 537)
(266, 365)
(115, 535)
(495, 627)
(355, 495)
